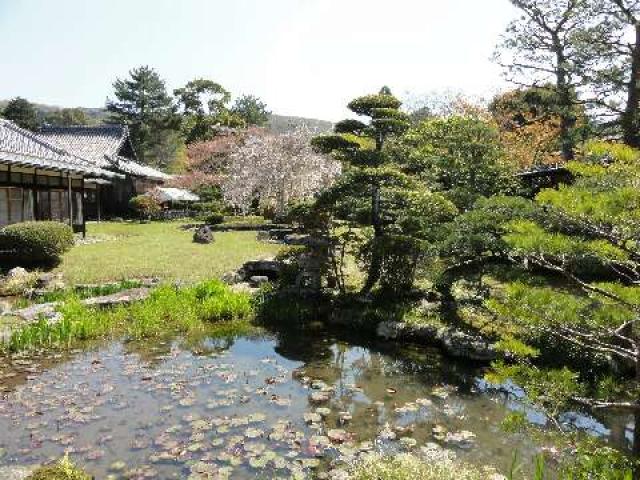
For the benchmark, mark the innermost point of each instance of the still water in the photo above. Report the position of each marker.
(274, 405)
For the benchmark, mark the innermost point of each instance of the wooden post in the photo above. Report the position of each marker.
(99, 205)
(36, 207)
(70, 200)
(84, 212)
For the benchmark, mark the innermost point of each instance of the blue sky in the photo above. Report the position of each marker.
(303, 57)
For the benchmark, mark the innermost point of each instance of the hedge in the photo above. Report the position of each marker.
(36, 242)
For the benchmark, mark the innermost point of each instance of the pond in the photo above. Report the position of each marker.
(262, 406)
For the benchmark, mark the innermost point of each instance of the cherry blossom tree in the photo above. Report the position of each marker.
(277, 170)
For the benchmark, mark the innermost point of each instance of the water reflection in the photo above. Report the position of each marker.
(165, 408)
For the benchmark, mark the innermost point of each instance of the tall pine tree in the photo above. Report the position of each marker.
(142, 103)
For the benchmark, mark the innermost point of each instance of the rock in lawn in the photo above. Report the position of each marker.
(203, 235)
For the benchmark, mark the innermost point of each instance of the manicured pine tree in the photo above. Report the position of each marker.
(360, 146)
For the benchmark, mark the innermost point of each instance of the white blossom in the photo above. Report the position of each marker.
(277, 169)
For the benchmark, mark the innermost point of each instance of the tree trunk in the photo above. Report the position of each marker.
(567, 117)
(375, 267)
(629, 120)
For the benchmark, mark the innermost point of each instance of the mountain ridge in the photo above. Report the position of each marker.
(277, 123)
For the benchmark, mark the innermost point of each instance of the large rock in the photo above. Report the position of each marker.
(261, 268)
(203, 235)
(50, 281)
(121, 298)
(454, 342)
(48, 310)
(17, 273)
(16, 282)
(257, 280)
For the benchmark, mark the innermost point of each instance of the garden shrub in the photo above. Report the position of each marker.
(214, 218)
(146, 206)
(36, 242)
(399, 256)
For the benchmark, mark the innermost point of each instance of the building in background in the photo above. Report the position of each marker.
(107, 147)
(41, 181)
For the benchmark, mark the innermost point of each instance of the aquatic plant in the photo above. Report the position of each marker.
(64, 469)
(210, 307)
(410, 467)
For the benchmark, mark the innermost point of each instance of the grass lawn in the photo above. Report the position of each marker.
(133, 250)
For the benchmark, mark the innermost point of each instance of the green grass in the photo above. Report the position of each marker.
(209, 308)
(159, 249)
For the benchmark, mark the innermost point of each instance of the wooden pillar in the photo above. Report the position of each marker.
(36, 209)
(70, 200)
(84, 211)
(98, 201)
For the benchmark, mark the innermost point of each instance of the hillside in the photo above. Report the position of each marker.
(277, 123)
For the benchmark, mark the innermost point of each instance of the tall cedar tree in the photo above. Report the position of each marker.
(361, 147)
(539, 48)
(21, 112)
(142, 103)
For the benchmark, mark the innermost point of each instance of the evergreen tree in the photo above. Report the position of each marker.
(204, 105)
(67, 117)
(540, 47)
(587, 235)
(251, 110)
(142, 103)
(21, 112)
(375, 193)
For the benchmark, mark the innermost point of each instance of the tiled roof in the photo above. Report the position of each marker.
(22, 147)
(94, 143)
(133, 168)
(166, 194)
(100, 145)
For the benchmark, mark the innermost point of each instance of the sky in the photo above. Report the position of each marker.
(302, 57)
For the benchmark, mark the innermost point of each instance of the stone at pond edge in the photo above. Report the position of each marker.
(258, 280)
(454, 342)
(203, 235)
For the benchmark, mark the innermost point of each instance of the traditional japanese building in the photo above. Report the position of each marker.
(41, 181)
(106, 147)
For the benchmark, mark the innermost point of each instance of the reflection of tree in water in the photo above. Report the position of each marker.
(153, 353)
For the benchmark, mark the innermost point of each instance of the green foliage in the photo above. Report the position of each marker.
(145, 206)
(36, 242)
(251, 110)
(204, 105)
(209, 307)
(478, 233)
(410, 467)
(550, 389)
(399, 256)
(366, 105)
(67, 117)
(21, 112)
(214, 218)
(142, 102)
(64, 469)
(461, 156)
(593, 461)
